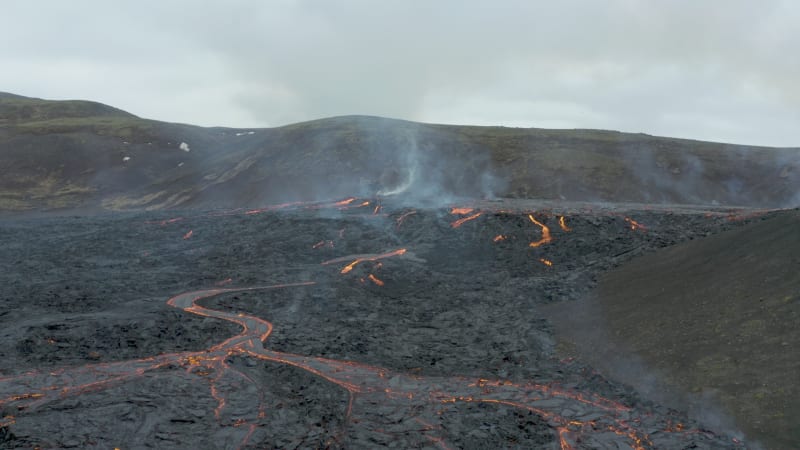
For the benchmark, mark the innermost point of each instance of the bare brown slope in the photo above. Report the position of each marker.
(721, 315)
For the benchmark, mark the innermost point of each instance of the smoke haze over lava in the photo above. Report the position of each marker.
(394, 252)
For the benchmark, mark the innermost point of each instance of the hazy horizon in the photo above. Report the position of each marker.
(717, 71)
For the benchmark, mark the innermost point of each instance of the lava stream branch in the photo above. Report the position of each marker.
(575, 417)
(546, 237)
(363, 258)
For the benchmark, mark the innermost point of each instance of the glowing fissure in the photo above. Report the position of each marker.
(461, 221)
(461, 211)
(562, 222)
(634, 225)
(375, 280)
(347, 203)
(362, 258)
(546, 237)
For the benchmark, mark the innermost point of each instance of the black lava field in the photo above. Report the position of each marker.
(349, 324)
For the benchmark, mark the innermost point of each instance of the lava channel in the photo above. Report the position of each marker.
(578, 419)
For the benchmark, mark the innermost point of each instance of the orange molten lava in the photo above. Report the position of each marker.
(361, 259)
(345, 202)
(188, 235)
(563, 224)
(736, 216)
(461, 211)
(461, 221)
(499, 238)
(634, 225)
(402, 395)
(375, 280)
(545, 233)
(562, 438)
(546, 262)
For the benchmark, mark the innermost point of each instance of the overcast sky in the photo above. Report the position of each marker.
(721, 70)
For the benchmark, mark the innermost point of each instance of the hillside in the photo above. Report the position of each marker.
(712, 319)
(78, 155)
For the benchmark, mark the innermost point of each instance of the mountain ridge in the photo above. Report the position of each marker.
(79, 155)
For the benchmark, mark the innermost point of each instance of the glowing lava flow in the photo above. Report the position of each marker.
(578, 419)
(32, 389)
(461, 211)
(362, 258)
(634, 225)
(375, 280)
(562, 222)
(346, 203)
(459, 222)
(545, 233)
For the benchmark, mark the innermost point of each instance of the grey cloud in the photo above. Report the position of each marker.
(718, 70)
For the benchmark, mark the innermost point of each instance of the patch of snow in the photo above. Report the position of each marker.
(184, 146)
(245, 132)
(180, 164)
(125, 142)
(126, 159)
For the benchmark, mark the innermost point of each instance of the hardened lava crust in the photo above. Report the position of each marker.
(346, 324)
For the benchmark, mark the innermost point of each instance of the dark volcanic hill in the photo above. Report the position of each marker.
(714, 318)
(84, 155)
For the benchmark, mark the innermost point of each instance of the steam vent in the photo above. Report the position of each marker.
(360, 282)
